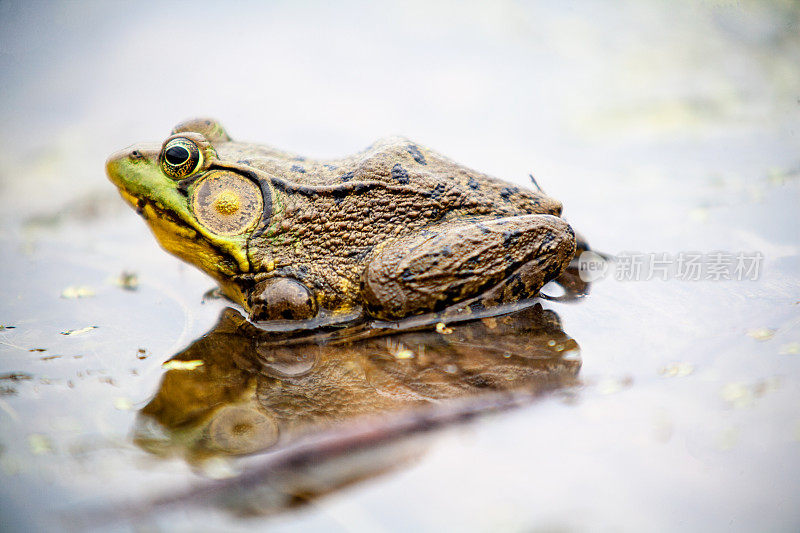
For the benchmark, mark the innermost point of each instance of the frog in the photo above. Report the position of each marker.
(394, 231)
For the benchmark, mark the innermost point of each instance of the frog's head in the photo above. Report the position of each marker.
(201, 209)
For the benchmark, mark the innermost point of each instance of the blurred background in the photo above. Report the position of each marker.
(662, 125)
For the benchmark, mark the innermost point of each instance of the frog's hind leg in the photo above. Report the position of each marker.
(507, 259)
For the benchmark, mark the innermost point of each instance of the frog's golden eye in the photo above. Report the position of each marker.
(180, 157)
(227, 203)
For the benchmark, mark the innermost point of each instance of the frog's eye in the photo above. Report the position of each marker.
(180, 157)
(227, 203)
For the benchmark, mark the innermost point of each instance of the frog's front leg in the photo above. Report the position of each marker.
(281, 299)
(511, 258)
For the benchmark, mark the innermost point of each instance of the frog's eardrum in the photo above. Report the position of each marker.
(227, 203)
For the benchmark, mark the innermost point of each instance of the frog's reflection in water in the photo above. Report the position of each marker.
(255, 392)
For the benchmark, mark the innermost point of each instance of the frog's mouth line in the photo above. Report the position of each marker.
(158, 215)
(139, 204)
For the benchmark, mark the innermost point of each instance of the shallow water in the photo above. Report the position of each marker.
(663, 127)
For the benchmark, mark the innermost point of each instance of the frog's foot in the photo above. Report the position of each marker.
(571, 280)
(507, 259)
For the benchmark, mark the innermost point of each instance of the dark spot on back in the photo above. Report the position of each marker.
(473, 184)
(244, 162)
(437, 191)
(510, 237)
(298, 168)
(347, 177)
(400, 174)
(407, 275)
(359, 254)
(331, 167)
(416, 154)
(507, 192)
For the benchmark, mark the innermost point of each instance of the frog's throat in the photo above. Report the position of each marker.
(177, 237)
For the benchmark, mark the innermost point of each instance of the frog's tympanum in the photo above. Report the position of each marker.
(247, 391)
(394, 231)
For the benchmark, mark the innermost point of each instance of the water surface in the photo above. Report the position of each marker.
(664, 128)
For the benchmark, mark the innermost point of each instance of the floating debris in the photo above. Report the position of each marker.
(127, 280)
(781, 176)
(50, 357)
(3, 328)
(123, 404)
(71, 332)
(16, 376)
(792, 348)
(443, 329)
(39, 444)
(614, 385)
(761, 334)
(76, 291)
(141, 353)
(677, 370)
(740, 395)
(176, 364)
(764, 386)
(38, 350)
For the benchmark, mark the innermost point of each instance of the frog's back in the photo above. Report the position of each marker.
(403, 165)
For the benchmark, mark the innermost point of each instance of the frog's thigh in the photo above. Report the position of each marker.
(449, 263)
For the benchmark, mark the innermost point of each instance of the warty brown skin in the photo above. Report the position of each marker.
(393, 231)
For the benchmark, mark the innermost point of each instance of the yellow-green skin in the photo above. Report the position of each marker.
(393, 231)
